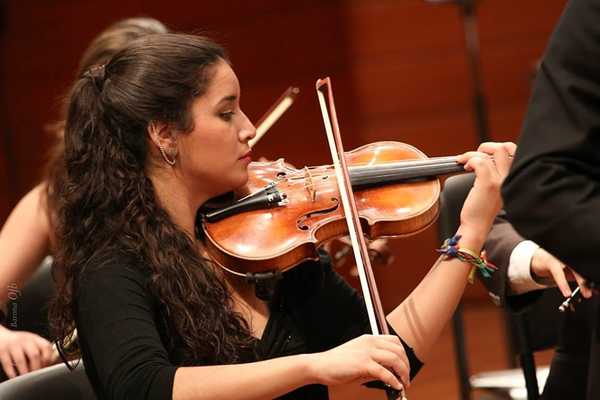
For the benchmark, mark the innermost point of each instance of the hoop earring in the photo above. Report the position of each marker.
(165, 157)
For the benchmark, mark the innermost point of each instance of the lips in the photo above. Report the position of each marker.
(247, 155)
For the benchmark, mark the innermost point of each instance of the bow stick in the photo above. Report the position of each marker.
(361, 254)
(274, 113)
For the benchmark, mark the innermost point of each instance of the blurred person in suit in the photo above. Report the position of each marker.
(552, 194)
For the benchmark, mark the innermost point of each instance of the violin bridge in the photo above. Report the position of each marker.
(309, 186)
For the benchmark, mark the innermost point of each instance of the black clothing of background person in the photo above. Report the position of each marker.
(552, 195)
(570, 364)
(125, 340)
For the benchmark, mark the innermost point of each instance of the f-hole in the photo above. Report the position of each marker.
(301, 221)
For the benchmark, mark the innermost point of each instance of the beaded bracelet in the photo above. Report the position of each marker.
(451, 249)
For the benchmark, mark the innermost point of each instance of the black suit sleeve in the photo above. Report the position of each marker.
(499, 246)
(552, 194)
(123, 354)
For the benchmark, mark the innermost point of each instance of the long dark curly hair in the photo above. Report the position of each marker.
(108, 205)
(100, 50)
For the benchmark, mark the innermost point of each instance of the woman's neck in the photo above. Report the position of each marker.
(176, 199)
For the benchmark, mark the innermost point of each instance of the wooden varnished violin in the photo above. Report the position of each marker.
(288, 213)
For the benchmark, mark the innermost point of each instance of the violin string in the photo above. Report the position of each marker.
(360, 171)
(368, 168)
(438, 170)
(388, 174)
(393, 164)
(440, 166)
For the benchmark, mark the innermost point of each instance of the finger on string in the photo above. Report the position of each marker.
(491, 147)
(500, 153)
(464, 157)
(483, 167)
(511, 148)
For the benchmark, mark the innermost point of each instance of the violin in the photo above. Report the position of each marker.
(340, 249)
(292, 212)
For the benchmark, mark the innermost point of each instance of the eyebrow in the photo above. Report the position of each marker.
(227, 99)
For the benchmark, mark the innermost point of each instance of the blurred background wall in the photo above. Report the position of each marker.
(399, 71)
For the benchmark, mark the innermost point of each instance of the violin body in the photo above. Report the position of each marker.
(281, 237)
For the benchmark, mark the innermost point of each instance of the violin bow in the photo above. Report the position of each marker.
(274, 113)
(361, 254)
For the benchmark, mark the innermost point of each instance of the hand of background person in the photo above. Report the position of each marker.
(545, 267)
(22, 352)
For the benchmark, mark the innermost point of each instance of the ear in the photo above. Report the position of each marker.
(162, 135)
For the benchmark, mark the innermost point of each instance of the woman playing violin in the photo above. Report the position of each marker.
(150, 137)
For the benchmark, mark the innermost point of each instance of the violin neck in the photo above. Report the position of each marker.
(374, 175)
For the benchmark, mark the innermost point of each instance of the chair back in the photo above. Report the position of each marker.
(55, 382)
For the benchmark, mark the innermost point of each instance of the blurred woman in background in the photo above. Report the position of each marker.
(28, 236)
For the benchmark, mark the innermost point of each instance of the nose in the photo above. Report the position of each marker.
(248, 131)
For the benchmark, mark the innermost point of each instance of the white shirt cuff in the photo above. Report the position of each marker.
(519, 268)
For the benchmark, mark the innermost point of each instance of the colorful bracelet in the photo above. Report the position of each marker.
(451, 249)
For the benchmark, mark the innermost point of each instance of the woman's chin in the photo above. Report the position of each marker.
(235, 185)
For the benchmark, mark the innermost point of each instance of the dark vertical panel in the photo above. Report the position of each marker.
(7, 176)
(42, 44)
